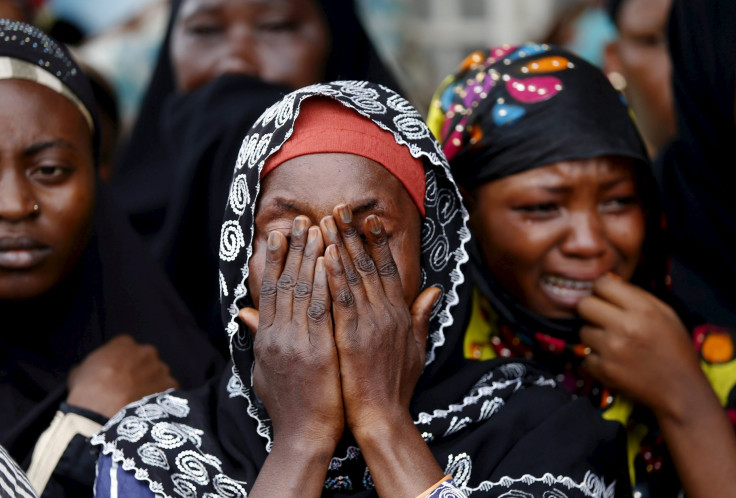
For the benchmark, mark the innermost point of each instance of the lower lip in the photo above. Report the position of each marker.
(564, 297)
(23, 259)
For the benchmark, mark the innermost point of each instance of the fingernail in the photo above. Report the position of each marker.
(332, 252)
(345, 215)
(374, 224)
(320, 266)
(613, 275)
(330, 224)
(274, 241)
(300, 224)
(312, 234)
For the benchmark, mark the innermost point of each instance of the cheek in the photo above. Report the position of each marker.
(255, 272)
(627, 236)
(512, 244)
(407, 255)
(295, 65)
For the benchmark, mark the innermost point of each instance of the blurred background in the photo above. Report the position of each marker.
(422, 40)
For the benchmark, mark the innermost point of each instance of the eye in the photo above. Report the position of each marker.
(278, 26)
(50, 173)
(204, 29)
(540, 210)
(620, 203)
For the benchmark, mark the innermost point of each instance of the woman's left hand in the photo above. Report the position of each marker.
(639, 346)
(381, 348)
(380, 341)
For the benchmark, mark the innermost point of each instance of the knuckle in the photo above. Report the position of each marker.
(365, 264)
(286, 281)
(268, 289)
(350, 231)
(345, 298)
(317, 311)
(352, 276)
(302, 290)
(388, 269)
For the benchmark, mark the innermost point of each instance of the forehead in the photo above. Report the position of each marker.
(190, 7)
(30, 107)
(313, 184)
(643, 14)
(600, 171)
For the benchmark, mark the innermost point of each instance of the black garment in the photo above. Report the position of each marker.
(174, 173)
(493, 425)
(115, 289)
(695, 172)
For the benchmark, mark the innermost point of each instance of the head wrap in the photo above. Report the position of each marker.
(511, 109)
(613, 7)
(326, 126)
(695, 172)
(216, 441)
(28, 53)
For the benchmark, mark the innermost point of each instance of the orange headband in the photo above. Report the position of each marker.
(325, 125)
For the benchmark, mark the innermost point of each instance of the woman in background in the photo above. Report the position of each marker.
(570, 260)
(221, 64)
(343, 250)
(78, 292)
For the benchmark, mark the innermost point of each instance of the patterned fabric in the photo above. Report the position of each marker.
(13, 482)
(214, 441)
(514, 108)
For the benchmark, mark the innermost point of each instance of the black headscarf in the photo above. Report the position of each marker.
(695, 172)
(116, 288)
(174, 172)
(494, 426)
(511, 109)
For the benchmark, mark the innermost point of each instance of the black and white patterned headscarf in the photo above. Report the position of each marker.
(494, 426)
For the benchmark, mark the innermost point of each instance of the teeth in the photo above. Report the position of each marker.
(566, 286)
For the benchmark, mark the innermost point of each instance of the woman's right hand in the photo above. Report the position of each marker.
(296, 371)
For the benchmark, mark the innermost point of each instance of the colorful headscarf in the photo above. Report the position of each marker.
(216, 440)
(514, 108)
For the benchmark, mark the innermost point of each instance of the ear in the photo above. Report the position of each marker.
(611, 57)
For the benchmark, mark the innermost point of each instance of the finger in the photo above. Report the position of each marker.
(380, 252)
(594, 338)
(599, 311)
(320, 320)
(343, 300)
(275, 252)
(337, 236)
(359, 258)
(250, 317)
(620, 293)
(421, 311)
(288, 278)
(303, 287)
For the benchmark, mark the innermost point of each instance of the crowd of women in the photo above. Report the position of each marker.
(295, 284)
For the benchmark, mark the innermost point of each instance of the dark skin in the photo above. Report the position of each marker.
(47, 195)
(323, 314)
(278, 41)
(581, 223)
(640, 55)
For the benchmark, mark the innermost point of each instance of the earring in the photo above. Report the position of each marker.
(36, 208)
(617, 80)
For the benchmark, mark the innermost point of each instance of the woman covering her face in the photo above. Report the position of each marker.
(569, 258)
(343, 250)
(77, 291)
(222, 63)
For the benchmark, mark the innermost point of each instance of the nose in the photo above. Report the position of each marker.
(241, 57)
(585, 236)
(16, 199)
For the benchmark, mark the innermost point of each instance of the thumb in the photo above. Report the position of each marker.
(249, 316)
(420, 312)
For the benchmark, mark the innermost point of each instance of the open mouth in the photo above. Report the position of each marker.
(566, 290)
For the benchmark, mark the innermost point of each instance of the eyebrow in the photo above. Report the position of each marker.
(561, 189)
(284, 206)
(49, 144)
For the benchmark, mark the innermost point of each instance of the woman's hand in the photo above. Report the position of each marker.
(296, 369)
(381, 348)
(639, 347)
(117, 373)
